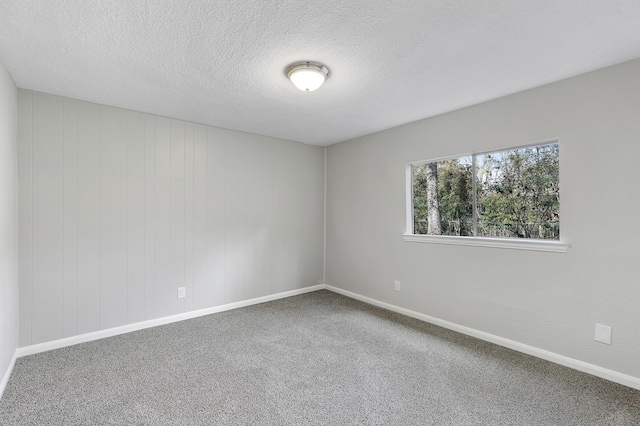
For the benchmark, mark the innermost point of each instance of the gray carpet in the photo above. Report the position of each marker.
(319, 358)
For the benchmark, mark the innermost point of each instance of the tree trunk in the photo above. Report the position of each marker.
(433, 207)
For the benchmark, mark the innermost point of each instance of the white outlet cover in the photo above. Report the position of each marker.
(603, 334)
(396, 285)
(182, 292)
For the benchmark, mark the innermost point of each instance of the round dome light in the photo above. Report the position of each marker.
(307, 76)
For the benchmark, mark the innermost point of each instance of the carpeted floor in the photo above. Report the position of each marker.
(319, 358)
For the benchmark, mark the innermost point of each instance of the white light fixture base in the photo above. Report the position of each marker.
(306, 75)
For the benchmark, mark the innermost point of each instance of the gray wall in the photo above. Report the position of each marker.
(8, 222)
(547, 300)
(118, 209)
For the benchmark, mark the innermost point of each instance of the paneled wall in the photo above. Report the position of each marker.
(8, 225)
(118, 209)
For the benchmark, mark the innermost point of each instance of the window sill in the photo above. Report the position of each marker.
(504, 243)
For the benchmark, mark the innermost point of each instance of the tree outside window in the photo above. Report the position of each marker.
(516, 194)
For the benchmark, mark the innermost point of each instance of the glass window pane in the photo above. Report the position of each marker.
(518, 193)
(442, 197)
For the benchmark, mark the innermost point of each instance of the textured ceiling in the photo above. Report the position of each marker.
(222, 62)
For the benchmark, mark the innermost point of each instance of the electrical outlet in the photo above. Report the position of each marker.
(182, 292)
(603, 334)
(396, 285)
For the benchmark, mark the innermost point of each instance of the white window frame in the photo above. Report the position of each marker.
(558, 246)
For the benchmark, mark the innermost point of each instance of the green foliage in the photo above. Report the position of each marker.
(517, 194)
(454, 196)
(420, 210)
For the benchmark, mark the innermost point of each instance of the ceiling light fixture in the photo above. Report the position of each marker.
(307, 76)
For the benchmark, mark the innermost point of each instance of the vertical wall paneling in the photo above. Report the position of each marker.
(149, 216)
(258, 220)
(279, 227)
(241, 284)
(70, 225)
(199, 292)
(135, 217)
(188, 216)
(162, 253)
(117, 209)
(113, 218)
(48, 238)
(177, 226)
(250, 251)
(25, 214)
(88, 299)
(291, 182)
(216, 216)
(231, 221)
(9, 226)
(264, 219)
(267, 219)
(309, 181)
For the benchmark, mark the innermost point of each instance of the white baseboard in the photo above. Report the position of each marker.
(5, 379)
(101, 334)
(614, 376)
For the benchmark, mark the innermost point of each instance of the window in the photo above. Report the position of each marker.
(510, 194)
